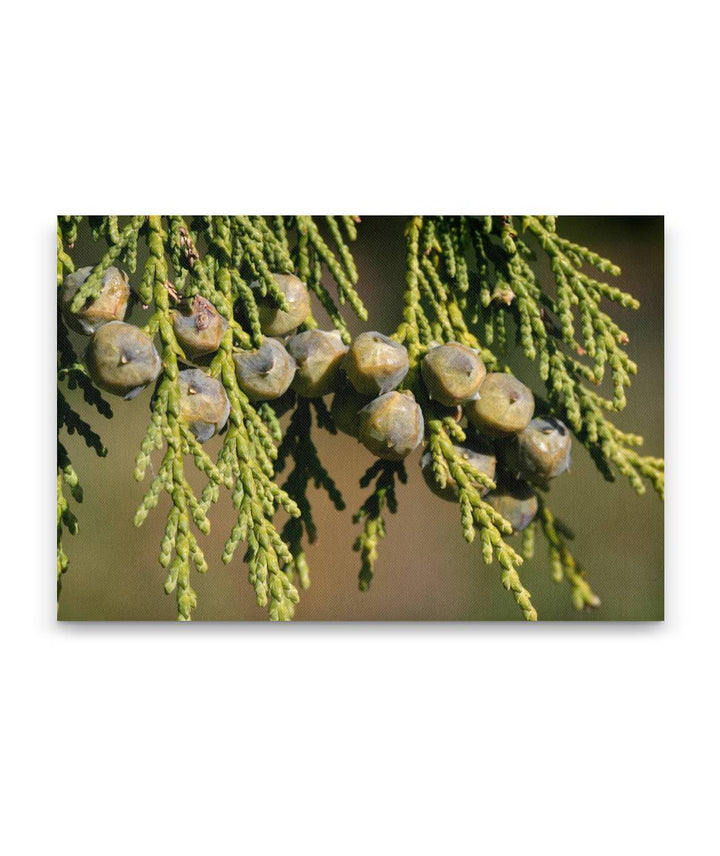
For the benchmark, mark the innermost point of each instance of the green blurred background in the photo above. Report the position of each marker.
(425, 570)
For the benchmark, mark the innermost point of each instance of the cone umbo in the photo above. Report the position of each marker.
(122, 359)
(204, 404)
(318, 355)
(199, 327)
(484, 463)
(391, 426)
(541, 451)
(516, 501)
(375, 363)
(109, 305)
(266, 372)
(452, 373)
(504, 405)
(275, 321)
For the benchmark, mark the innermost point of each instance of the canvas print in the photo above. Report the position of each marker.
(423, 417)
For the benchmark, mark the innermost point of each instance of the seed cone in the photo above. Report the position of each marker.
(541, 451)
(122, 359)
(345, 410)
(109, 305)
(484, 463)
(504, 405)
(516, 501)
(199, 327)
(375, 364)
(452, 373)
(204, 404)
(277, 322)
(319, 355)
(391, 426)
(265, 373)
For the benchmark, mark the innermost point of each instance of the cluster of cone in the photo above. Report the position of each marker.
(513, 448)
(122, 359)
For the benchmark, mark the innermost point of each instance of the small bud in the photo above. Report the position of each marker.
(318, 354)
(204, 404)
(504, 405)
(110, 304)
(391, 426)
(265, 373)
(375, 364)
(452, 373)
(122, 359)
(275, 321)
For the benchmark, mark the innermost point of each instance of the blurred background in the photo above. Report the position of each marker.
(425, 569)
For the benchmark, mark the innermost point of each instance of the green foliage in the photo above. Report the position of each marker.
(216, 257)
(473, 280)
(562, 561)
(371, 516)
(72, 372)
(467, 273)
(476, 515)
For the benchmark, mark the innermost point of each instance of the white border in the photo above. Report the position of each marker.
(355, 739)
